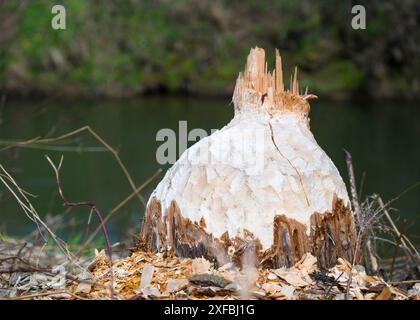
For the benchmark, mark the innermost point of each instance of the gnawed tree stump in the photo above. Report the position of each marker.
(282, 198)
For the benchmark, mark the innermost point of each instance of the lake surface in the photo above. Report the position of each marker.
(383, 139)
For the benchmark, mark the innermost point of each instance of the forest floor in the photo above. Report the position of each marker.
(35, 272)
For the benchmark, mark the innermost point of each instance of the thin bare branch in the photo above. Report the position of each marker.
(88, 129)
(93, 207)
(119, 206)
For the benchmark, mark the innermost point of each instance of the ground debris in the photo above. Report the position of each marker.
(30, 272)
(169, 277)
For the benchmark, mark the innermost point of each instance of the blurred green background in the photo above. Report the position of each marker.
(127, 48)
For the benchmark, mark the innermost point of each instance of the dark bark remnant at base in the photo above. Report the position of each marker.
(290, 243)
(332, 235)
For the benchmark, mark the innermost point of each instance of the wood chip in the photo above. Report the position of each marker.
(83, 288)
(146, 275)
(271, 288)
(291, 277)
(175, 280)
(287, 291)
(200, 265)
(175, 285)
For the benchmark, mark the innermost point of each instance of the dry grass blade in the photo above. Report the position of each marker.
(21, 197)
(403, 239)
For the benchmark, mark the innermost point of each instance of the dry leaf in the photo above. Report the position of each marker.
(370, 296)
(175, 285)
(258, 294)
(287, 291)
(291, 277)
(370, 279)
(271, 288)
(307, 263)
(151, 291)
(385, 294)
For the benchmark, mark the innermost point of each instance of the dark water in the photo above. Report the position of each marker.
(383, 139)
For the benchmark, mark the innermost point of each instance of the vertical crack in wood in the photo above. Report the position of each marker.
(291, 164)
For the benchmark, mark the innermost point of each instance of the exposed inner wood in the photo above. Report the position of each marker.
(257, 86)
(332, 235)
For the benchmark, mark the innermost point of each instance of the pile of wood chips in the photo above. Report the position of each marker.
(146, 275)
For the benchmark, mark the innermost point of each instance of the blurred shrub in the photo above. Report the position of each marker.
(124, 48)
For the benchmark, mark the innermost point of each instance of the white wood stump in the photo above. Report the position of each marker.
(260, 185)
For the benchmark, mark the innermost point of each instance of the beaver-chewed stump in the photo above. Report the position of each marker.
(260, 190)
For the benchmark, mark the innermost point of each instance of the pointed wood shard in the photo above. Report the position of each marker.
(279, 73)
(257, 87)
(294, 91)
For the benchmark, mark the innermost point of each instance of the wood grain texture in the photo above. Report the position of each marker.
(332, 236)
